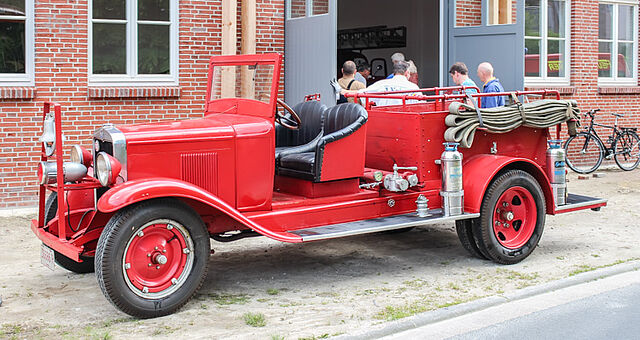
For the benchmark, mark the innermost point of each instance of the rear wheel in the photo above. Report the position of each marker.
(464, 228)
(152, 258)
(87, 265)
(627, 150)
(512, 218)
(584, 152)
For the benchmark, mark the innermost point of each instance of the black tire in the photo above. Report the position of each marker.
(464, 228)
(87, 264)
(524, 229)
(627, 150)
(124, 236)
(584, 152)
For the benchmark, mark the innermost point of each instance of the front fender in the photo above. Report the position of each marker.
(135, 191)
(480, 170)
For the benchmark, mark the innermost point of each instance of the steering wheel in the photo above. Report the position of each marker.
(292, 122)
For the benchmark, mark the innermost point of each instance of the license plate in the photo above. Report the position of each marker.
(47, 258)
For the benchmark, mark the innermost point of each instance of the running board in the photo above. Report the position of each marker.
(376, 225)
(580, 202)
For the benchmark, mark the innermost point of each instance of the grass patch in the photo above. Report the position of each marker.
(587, 268)
(163, 330)
(417, 283)
(313, 337)
(514, 275)
(391, 313)
(10, 330)
(273, 291)
(254, 319)
(110, 323)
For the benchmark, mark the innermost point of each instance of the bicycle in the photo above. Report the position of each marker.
(585, 151)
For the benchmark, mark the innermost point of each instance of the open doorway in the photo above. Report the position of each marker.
(372, 30)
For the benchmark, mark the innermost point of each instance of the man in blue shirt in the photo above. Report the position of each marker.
(460, 76)
(491, 84)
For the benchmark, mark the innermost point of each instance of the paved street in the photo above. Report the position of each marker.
(605, 309)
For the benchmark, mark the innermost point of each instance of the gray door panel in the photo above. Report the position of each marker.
(501, 45)
(310, 55)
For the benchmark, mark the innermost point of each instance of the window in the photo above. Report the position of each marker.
(16, 42)
(617, 43)
(546, 32)
(133, 42)
(303, 8)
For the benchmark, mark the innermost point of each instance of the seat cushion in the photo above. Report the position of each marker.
(311, 114)
(299, 161)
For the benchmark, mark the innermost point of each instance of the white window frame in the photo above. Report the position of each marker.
(614, 79)
(27, 78)
(132, 78)
(544, 80)
(307, 10)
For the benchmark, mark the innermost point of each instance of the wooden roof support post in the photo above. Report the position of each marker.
(247, 84)
(229, 39)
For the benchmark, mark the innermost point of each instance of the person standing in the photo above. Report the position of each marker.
(364, 70)
(491, 85)
(396, 58)
(460, 76)
(399, 82)
(348, 81)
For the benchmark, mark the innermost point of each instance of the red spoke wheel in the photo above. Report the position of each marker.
(152, 257)
(512, 218)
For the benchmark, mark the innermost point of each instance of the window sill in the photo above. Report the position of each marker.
(614, 90)
(134, 92)
(17, 92)
(564, 90)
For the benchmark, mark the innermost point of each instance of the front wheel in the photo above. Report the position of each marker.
(511, 218)
(584, 152)
(627, 150)
(152, 258)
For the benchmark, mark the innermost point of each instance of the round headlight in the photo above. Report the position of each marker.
(107, 168)
(81, 156)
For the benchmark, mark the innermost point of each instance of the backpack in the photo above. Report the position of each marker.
(342, 98)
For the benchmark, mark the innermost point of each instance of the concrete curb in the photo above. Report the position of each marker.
(484, 303)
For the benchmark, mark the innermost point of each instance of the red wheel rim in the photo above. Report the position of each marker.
(514, 217)
(158, 258)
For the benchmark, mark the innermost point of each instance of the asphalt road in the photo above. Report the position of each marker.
(604, 309)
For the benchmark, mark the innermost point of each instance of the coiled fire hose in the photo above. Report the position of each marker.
(463, 119)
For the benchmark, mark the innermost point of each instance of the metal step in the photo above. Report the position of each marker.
(575, 201)
(376, 225)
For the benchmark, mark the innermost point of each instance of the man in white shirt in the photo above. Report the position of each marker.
(399, 82)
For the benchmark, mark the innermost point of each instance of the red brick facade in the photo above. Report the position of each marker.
(61, 74)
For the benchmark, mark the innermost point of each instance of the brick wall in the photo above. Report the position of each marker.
(61, 75)
(468, 12)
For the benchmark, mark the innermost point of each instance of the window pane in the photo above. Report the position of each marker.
(320, 7)
(604, 59)
(156, 10)
(605, 19)
(625, 22)
(12, 7)
(298, 9)
(532, 58)
(501, 12)
(625, 60)
(532, 18)
(555, 18)
(555, 56)
(468, 13)
(109, 9)
(153, 49)
(109, 49)
(12, 47)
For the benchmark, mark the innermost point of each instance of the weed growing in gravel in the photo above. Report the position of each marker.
(313, 337)
(254, 319)
(273, 291)
(10, 330)
(587, 268)
(163, 330)
(391, 313)
(417, 283)
(110, 323)
(277, 337)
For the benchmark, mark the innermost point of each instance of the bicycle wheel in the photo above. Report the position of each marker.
(584, 152)
(627, 150)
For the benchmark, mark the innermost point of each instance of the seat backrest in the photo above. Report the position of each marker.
(340, 116)
(311, 114)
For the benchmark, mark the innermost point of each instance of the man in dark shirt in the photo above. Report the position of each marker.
(491, 84)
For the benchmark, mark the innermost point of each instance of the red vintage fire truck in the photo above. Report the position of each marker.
(141, 206)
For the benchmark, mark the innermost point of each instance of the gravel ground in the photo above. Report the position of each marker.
(262, 289)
